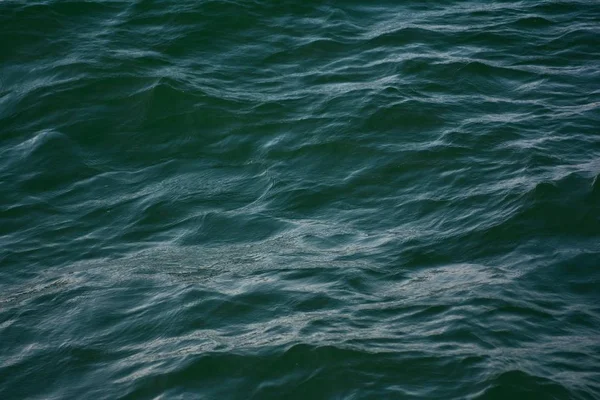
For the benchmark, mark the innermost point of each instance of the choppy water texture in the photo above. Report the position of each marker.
(236, 199)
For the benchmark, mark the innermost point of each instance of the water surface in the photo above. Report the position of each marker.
(290, 199)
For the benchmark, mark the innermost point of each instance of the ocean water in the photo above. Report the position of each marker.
(260, 199)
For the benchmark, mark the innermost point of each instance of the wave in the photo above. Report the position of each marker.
(257, 199)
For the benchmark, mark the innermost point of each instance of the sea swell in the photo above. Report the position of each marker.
(256, 199)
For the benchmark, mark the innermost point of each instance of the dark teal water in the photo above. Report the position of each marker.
(235, 199)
